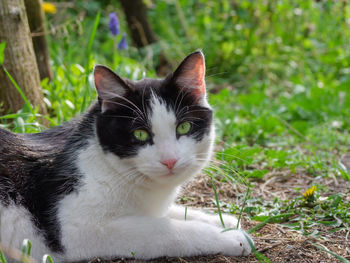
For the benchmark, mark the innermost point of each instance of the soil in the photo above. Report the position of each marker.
(276, 242)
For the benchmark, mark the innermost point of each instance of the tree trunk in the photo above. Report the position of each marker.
(141, 31)
(36, 21)
(136, 16)
(19, 59)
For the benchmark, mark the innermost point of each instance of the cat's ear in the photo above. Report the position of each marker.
(191, 73)
(109, 86)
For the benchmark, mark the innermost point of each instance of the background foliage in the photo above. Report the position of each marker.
(278, 74)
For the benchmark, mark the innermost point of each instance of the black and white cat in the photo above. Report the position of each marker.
(104, 184)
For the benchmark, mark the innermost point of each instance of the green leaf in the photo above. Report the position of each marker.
(2, 49)
(272, 219)
(2, 257)
(260, 218)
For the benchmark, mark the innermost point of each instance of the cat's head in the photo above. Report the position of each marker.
(161, 128)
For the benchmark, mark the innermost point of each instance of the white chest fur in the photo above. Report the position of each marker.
(111, 190)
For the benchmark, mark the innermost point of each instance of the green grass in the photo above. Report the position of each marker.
(341, 259)
(280, 71)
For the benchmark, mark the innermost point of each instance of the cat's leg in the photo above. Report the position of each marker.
(181, 213)
(146, 238)
(15, 226)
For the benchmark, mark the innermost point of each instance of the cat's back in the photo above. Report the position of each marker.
(8, 141)
(21, 153)
(33, 145)
(27, 159)
(14, 151)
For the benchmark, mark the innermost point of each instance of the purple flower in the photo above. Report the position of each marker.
(113, 23)
(123, 44)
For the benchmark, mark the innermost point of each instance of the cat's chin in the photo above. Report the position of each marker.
(170, 180)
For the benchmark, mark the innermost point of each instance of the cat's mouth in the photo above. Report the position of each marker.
(170, 173)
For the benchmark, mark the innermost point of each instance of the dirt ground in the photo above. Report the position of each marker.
(276, 242)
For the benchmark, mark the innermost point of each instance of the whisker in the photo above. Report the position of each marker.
(219, 163)
(126, 106)
(175, 104)
(230, 155)
(192, 118)
(198, 110)
(120, 116)
(130, 102)
(127, 100)
(143, 100)
(185, 93)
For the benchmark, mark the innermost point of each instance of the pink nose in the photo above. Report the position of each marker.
(169, 163)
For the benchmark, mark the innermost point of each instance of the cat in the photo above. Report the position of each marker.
(104, 184)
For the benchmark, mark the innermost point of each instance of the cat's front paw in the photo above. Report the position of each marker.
(241, 243)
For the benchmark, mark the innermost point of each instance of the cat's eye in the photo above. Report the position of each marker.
(183, 128)
(141, 135)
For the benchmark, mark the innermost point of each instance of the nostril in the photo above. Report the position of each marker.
(169, 163)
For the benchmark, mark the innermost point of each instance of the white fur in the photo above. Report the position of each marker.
(15, 226)
(124, 206)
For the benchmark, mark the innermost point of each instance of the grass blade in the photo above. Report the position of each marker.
(217, 203)
(12, 116)
(26, 247)
(20, 92)
(88, 57)
(26, 250)
(2, 257)
(243, 205)
(342, 259)
(47, 258)
(268, 220)
(2, 49)
(260, 257)
(344, 171)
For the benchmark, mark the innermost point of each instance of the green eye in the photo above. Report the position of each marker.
(141, 135)
(183, 127)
